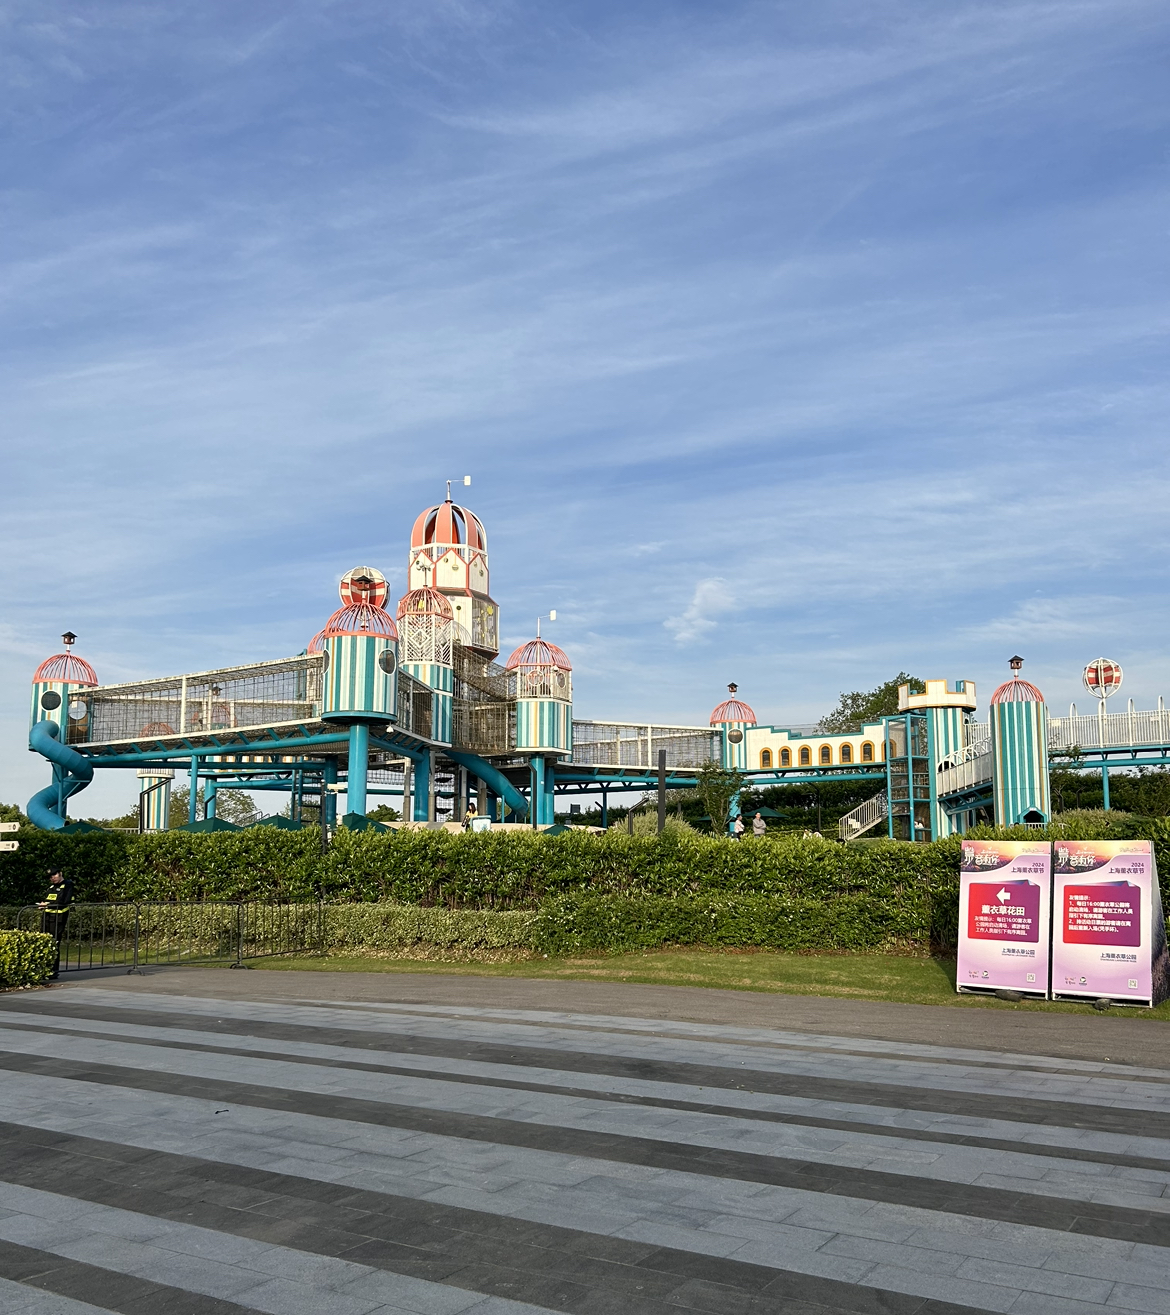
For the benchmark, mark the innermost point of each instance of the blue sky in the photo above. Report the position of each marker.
(787, 344)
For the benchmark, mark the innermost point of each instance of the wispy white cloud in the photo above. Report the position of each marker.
(712, 598)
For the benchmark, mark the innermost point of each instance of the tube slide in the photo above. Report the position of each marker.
(493, 779)
(71, 772)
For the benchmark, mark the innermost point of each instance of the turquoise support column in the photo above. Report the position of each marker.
(536, 794)
(359, 761)
(209, 790)
(1105, 784)
(193, 811)
(422, 788)
(330, 795)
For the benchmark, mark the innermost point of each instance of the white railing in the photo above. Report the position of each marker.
(632, 744)
(1115, 730)
(861, 818)
(965, 775)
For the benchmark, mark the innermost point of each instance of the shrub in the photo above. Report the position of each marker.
(27, 958)
(569, 923)
(411, 930)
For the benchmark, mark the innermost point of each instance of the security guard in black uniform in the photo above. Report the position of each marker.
(56, 906)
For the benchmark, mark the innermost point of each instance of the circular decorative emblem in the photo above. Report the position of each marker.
(1102, 677)
(734, 737)
(364, 584)
(50, 700)
(387, 661)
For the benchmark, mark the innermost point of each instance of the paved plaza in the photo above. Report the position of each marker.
(219, 1143)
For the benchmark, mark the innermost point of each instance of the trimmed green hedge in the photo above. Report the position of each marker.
(585, 891)
(501, 870)
(27, 958)
(571, 923)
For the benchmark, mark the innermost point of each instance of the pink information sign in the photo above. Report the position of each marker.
(1005, 898)
(1110, 936)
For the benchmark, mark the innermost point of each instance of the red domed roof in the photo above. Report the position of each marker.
(733, 710)
(317, 643)
(448, 523)
(359, 619)
(68, 668)
(424, 602)
(538, 653)
(1017, 691)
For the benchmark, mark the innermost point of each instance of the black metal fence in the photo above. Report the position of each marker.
(132, 936)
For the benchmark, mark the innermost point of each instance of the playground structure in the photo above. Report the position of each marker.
(414, 705)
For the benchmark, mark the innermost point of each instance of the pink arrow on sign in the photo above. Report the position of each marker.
(1002, 895)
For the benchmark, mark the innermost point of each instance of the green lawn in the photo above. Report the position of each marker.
(853, 976)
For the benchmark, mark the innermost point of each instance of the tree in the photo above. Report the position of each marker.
(230, 805)
(717, 788)
(867, 705)
(384, 813)
(11, 813)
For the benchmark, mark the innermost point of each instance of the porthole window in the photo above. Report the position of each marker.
(735, 737)
(77, 710)
(387, 661)
(50, 700)
(324, 659)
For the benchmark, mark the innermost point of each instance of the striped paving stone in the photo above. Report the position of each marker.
(161, 1152)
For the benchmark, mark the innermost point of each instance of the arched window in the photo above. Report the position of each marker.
(867, 752)
(806, 757)
(785, 757)
(826, 754)
(765, 757)
(846, 753)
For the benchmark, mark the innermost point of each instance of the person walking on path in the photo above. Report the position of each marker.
(759, 826)
(55, 915)
(737, 828)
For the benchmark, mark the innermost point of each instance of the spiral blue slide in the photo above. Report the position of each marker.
(71, 772)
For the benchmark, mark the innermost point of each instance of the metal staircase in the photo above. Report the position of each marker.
(863, 817)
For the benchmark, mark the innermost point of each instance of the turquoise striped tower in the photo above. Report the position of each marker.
(1019, 752)
(360, 677)
(154, 808)
(427, 627)
(948, 709)
(544, 717)
(732, 718)
(59, 686)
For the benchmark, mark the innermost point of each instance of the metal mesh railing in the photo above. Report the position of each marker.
(625, 744)
(137, 935)
(264, 694)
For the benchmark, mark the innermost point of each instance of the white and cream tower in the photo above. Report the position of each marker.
(448, 552)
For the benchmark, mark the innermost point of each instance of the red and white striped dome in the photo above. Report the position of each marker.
(68, 668)
(1017, 691)
(424, 602)
(448, 524)
(358, 619)
(538, 653)
(733, 710)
